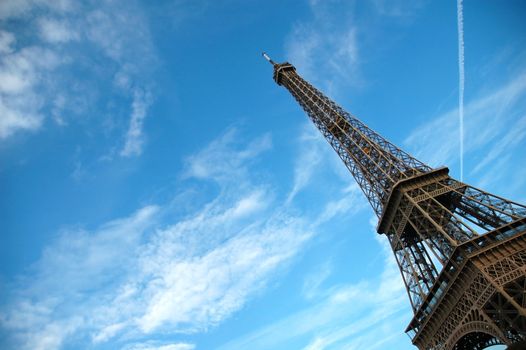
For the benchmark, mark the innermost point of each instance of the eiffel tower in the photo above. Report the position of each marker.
(461, 251)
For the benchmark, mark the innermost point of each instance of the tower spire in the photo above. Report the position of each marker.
(268, 58)
(461, 251)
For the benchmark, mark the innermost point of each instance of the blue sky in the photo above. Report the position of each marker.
(159, 191)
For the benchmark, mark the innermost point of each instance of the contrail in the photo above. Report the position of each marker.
(460, 25)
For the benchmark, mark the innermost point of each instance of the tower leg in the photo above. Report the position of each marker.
(484, 305)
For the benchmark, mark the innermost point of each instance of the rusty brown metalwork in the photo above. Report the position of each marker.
(461, 251)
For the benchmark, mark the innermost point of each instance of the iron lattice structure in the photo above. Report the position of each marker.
(461, 251)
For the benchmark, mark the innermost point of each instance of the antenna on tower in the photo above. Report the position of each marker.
(268, 58)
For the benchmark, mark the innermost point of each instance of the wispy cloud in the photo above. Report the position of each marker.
(325, 47)
(213, 163)
(21, 72)
(397, 8)
(342, 318)
(57, 31)
(154, 346)
(488, 118)
(316, 159)
(54, 301)
(332, 48)
(350, 200)
(17, 8)
(172, 268)
(313, 281)
(494, 136)
(200, 292)
(310, 156)
(512, 137)
(145, 273)
(134, 137)
(40, 77)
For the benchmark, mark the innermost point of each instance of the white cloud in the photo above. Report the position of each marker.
(21, 72)
(33, 88)
(487, 118)
(124, 37)
(56, 31)
(302, 46)
(55, 301)
(6, 41)
(21, 8)
(351, 201)
(325, 49)
(254, 202)
(153, 346)
(397, 8)
(121, 33)
(145, 273)
(511, 138)
(200, 292)
(217, 163)
(14, 119)
(312, 149)
(207, 266)
(51, 335)
(331, 48)
(316, 344)
(313, 281)
(108, 332)
(342, 317)
(347, 53)
(134, 137)
(148, 273)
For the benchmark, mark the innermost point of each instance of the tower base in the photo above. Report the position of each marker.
(479, 298)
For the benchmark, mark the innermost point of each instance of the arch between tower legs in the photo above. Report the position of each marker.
(474, 335)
